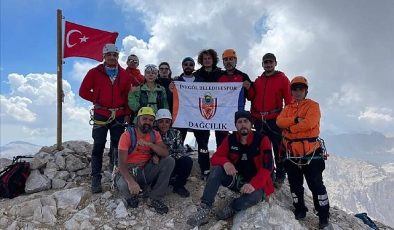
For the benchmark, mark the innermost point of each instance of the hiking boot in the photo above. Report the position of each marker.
(323, 222)
(200, 217)
(181, 191)
(300, 213)
(225, 212)
(159, 206)
(96, 185)
(132, 202)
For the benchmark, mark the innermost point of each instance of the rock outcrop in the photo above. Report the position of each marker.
(58, 197)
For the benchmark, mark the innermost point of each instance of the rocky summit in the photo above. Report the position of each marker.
(58, 197)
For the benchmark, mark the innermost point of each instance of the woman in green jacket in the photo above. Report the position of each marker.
(149, 94)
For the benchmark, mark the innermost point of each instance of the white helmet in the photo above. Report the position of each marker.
(162, 114)
(108, 48)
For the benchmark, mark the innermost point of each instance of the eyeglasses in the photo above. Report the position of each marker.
(164, 68)
(268, 61)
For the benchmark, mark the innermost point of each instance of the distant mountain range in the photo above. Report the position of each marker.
(16, 148)
(373, 147)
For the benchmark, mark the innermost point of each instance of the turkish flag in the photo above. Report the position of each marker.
(82, 41)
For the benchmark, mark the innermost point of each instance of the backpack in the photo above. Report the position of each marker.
(133, 141)
(13, 178)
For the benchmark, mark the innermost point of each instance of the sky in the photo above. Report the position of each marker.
(344, 48)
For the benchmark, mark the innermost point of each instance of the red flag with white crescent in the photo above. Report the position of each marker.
(83, 41)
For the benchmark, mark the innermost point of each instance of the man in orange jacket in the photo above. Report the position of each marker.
(268, 95)
(300, 122)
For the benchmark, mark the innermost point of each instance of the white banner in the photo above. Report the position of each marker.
(207, 106)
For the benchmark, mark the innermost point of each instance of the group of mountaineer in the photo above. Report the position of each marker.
(148, 155)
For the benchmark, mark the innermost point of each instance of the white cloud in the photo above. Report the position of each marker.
(29, 111)
(349, 70)
(16, 107)
(373, 114)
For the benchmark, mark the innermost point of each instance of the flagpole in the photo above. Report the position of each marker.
(59, 80)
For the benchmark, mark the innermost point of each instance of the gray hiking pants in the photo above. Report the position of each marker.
(156, 176)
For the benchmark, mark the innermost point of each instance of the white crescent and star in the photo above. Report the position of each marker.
(82, 39)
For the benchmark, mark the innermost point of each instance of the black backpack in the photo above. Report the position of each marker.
(13, 178)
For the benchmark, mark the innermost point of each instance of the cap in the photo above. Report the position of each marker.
(242, 114)
(162, 114)
(146, 111)
(151, 68)
(299, 80)
(229, 53)
(108, 48)
(269, 56)
(188, 59)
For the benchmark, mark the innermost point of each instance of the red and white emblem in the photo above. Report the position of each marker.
(207, 105)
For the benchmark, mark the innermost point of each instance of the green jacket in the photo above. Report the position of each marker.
(143, 96)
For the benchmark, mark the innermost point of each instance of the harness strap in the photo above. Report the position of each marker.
(110, 119)
(277, 110)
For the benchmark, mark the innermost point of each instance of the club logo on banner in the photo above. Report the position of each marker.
(208, 105)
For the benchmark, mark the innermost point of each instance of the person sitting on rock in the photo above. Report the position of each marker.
(243, 163)
(143, 162)
(173, 139)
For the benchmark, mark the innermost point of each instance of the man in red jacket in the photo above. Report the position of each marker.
(106, 86)
(268, 94)
(232, 74)
(243, 163)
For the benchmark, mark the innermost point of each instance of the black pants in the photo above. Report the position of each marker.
(219, 136)
(99, 134)
(202, 138)
(219, 177)
(313, 176)
(182, 170)
(274, 133)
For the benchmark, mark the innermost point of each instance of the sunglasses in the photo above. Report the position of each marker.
(133, 61)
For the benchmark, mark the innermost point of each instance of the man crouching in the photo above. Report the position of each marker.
(143, 162)
(243, 163)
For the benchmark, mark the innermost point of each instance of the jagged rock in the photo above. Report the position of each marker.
(13, 226)
(121, 211)
(37, 163)
(37, 182)
(73, 163)
(45, 214)
(84, 172)
(80, 219)
(63, 175)
(4, 162)
(79, 147)
(60, 161)
(58, 183)
(68, 200)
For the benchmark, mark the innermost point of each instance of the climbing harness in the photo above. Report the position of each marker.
(111, 118)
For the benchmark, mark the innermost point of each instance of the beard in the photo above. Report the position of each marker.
(146, 128)
(244, 132)
(188, 71)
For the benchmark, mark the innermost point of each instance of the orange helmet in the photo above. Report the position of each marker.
(229, 53)
(299, 80)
